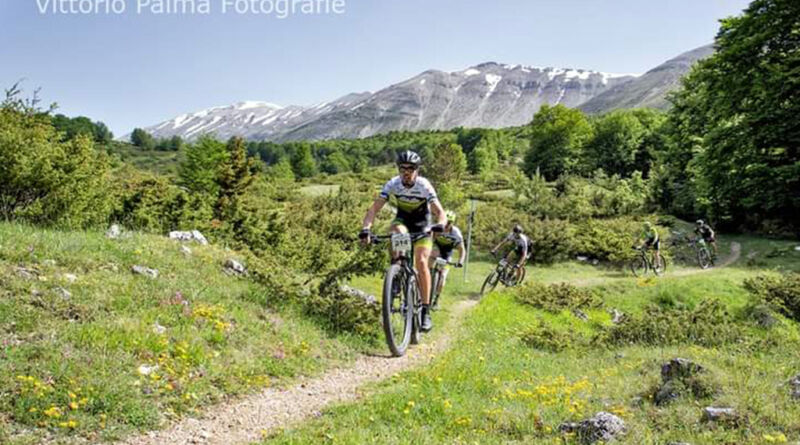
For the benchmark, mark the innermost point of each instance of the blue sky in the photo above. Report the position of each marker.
(132, 69)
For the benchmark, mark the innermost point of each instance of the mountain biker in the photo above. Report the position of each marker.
(415, 200)
(445, 243)
(651, 239)
(702, 229)
(520, 242)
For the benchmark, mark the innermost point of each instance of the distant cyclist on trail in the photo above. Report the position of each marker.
(446, 242)
(702, 229)
(415, 199)
(520, 242)
(651, 239)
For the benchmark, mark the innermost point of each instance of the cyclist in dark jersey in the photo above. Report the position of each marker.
(520, 249)
(705, 231)
(415, 199)
(446, 242)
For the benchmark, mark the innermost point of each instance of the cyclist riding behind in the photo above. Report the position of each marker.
(651, 239)
(415, 199)
(705, 231)
(520, 242)
(445, 243)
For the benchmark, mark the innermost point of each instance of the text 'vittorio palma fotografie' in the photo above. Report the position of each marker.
(276, 8)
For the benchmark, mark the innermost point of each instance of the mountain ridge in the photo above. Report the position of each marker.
(489, 94)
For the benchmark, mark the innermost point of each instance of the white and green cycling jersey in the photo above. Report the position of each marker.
(413, 203)
(446, 242)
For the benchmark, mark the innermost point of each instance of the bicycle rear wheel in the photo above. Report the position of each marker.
(639, 266)
(660, 266)
(396, 310)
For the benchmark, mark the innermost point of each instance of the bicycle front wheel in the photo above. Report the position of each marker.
(397, 311)
(639, 266)
(490, 283)
(703, 258)
(436, 276)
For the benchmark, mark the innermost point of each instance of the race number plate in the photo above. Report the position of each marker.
(401, 242)
(702, 242)
(441, 263)
(503, 263)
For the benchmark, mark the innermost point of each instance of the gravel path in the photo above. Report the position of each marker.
(246, 420)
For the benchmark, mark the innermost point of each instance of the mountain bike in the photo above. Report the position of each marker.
(436, 275)
(401, 308)
(704, 257)
(644, 262)
(505, 273)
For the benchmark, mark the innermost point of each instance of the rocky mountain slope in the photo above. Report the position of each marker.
(488, 95)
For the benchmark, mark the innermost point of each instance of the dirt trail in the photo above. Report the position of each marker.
(245, 420)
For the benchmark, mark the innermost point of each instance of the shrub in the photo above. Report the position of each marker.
(541, 336)
(47, 180)
(709, 324)
(557, 297)
(782, 293)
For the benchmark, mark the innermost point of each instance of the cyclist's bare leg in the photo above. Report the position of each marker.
(714, 247)
(421, 255)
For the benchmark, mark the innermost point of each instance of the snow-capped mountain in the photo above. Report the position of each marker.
(488, 95)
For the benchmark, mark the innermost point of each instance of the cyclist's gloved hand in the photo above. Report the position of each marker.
(364, 234)
(459, 264)
(437, 228)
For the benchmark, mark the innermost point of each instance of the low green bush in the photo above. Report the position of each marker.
(708, 324)
(557, 297)
(782, 293)
(543, 337)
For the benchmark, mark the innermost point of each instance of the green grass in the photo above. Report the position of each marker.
(493, 388)
(69, 366)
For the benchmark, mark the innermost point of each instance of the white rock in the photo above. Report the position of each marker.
(141, 270)
(70, 278)
(194, 235)
(147, 370)
(158, 329)
(114, 231)
(186, 250)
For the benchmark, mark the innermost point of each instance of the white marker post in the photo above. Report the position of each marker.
(469, 237)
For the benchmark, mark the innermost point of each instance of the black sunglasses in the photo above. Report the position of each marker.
(408, 168)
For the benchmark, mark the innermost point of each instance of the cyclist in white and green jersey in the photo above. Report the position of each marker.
(415, 199)
(447, 242)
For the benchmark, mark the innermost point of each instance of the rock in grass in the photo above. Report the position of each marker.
(65, 294)
(713, 414)
(353, 292)
(679, 368)
(602, 427)
(146, 271)
(795, 385)
(114, 231)
(28, 274)
(580, 315)
(194, 235)
(616, 316)
(186, 251)
(233, 267)
(70, 278)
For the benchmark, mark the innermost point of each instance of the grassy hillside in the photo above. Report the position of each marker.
(89, 349)
(518, 370)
